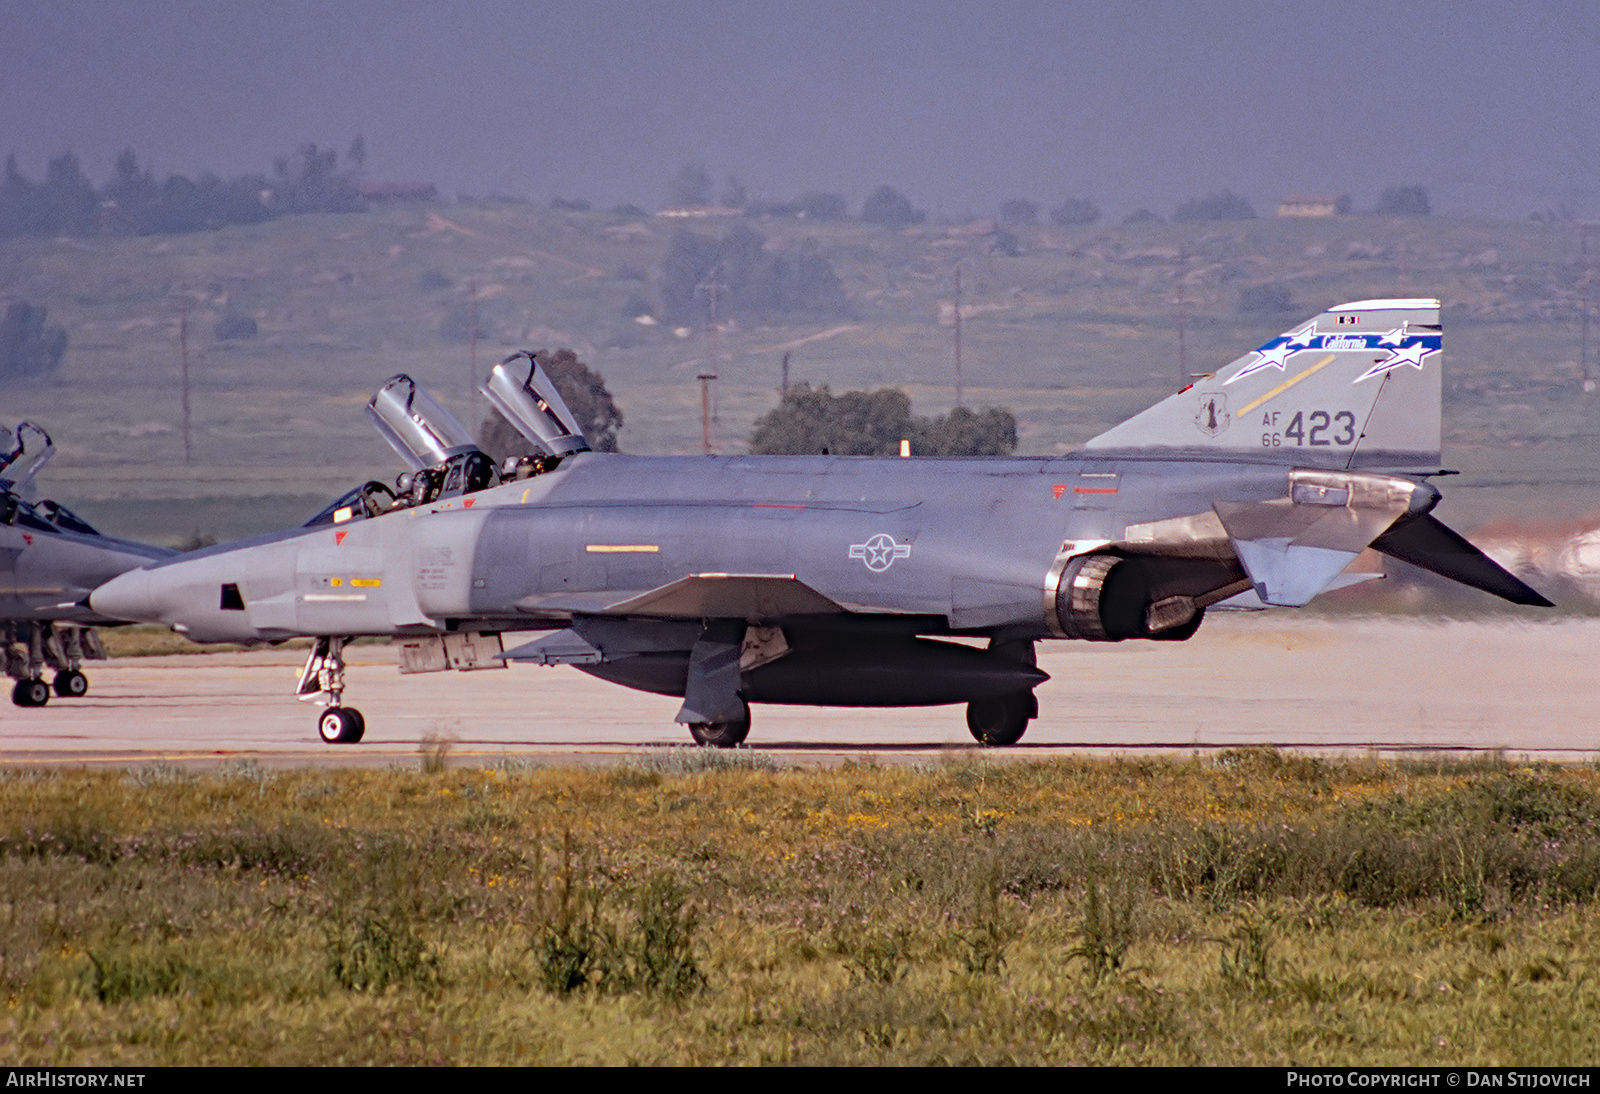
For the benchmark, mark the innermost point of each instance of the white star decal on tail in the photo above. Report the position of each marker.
(1276, 353)
(1417, 347)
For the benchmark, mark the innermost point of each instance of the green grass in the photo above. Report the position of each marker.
(691, 908)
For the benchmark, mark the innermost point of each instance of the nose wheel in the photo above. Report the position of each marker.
(341, 725)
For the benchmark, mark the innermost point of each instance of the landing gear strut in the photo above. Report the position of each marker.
(322, 681)
(30, 648)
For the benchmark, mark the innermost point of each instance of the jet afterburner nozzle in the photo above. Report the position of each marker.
(528, 398)
(424, 433)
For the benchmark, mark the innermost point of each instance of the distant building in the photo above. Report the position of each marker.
(397, 192)
(1309, 207)
(699, 212)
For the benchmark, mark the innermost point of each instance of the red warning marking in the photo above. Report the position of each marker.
(1094, 489)
(338, 538)
(1058, 489)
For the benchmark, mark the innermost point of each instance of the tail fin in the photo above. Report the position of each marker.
(1356, 387)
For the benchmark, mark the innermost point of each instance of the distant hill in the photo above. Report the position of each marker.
(1072, 328)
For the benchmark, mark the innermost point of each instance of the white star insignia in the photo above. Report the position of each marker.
(1276, 353)
(1399, 355)
(880, 552)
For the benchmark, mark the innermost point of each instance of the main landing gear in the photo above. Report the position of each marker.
(1003, 721)
(30, 648)
(992, 722)
(322, 681)
(728, 734)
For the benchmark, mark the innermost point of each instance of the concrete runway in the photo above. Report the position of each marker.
(1384, 686)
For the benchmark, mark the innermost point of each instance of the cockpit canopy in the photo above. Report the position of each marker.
(528, 398)
(19, 501)
(20, 466)
(42, 516)
(422, 432)
(443, 459)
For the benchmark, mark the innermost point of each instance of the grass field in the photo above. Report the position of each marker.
(686, 907)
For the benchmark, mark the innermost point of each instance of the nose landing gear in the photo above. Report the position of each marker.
(322, 681)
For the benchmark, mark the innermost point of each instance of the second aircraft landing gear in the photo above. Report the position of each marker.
(71, 684)
(30, 648)
(30, 693)
(322, 681)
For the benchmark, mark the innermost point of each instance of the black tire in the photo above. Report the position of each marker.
(999, 722)
(71, 684)
(30, 693)
(721, 734)
(341, 726)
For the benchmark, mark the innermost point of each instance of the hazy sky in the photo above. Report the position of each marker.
(1493, 105)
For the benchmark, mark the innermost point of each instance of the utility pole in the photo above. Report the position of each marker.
(958, 333)
(713, 341)
(1183, 356)
(705, 379)
(472, 345)
(183, 359)
(716, 347)
(1585, 281)
(783, 383)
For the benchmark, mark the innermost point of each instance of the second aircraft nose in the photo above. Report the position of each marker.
(127, 597)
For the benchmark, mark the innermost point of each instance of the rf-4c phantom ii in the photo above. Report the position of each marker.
(49, 560)
(839, 581)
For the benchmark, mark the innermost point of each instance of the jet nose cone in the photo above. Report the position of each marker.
(126, 597)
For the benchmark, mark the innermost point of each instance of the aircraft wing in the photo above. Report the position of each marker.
(755, 598)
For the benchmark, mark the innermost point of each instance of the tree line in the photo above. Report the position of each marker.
(887, 206)
(807, 421)
(133, 202)
(812, 421)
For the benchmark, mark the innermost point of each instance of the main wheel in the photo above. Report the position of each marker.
(721, 734)
(30, 693)
(71, 684)
(341, 725)
(998, 722)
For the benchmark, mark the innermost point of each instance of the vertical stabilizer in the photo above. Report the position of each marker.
(1356, 387)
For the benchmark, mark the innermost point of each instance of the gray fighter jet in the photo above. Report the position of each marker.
(843, 581)
(49, 560)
